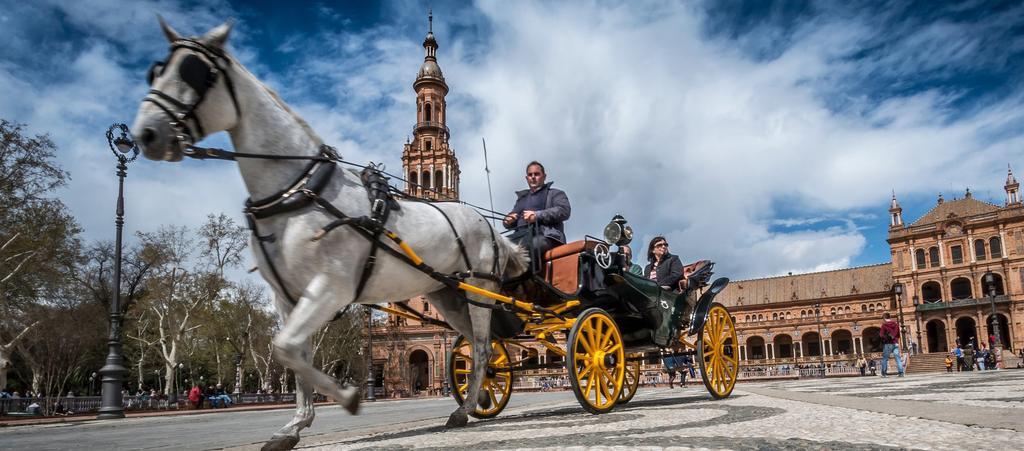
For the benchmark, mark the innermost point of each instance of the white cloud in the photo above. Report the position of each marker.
(631, 108)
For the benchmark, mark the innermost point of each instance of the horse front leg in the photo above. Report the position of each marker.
(317, 306)
(288, 436)
(481, 342)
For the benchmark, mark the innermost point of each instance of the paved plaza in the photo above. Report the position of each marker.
(971, 410)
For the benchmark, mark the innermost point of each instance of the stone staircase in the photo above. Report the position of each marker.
(928, 363)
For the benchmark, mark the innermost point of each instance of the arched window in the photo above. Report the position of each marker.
(412, 179)
(426, 112)
(920, 258)
(933, 256)
(746, 318)
(789, 315)
(995, 247)
(863, 308)
(438, 179)
(760, 317)
(832, 311)
(775, 316)
(879, 307)
(960, 288)
(979, 249)
(426, 180)
(803, 313)
(871, 308)
(931, 292)
(848, 310)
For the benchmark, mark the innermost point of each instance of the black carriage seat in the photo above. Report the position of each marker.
(561, 265)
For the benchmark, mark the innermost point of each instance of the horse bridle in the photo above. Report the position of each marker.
(199, 75)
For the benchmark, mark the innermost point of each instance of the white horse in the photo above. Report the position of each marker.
(200, 89)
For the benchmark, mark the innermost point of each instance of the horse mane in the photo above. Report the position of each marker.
(277, 99)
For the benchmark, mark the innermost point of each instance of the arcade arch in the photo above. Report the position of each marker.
(419, 366)
(842, 342)
(870, 340)
(811, 344)
(936, 332)
(965, 330)
(755, 348)
(783, 346)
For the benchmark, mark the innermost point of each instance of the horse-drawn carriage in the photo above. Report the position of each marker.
(610, 318)
(317, 229)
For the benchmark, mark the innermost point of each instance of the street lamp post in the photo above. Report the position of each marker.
(112, 373)
(990, 279)
(369, 356)
(898, 289)
(444, 366)
(821, 341)
(917, 314)
(238, 374)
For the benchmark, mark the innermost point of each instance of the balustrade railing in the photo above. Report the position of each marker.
(85, 404)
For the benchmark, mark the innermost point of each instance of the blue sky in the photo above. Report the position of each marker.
(767, 136)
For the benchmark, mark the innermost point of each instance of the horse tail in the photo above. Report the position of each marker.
(513, 260)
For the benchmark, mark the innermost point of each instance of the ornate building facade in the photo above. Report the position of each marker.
(951, 272)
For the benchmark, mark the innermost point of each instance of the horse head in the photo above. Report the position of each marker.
(191, 95)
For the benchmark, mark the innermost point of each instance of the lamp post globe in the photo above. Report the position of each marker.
(112, 374)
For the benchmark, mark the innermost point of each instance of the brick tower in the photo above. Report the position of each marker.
(427, 161)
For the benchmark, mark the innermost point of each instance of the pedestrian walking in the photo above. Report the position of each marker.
(959, 353)
(890, 334)
(862, 364)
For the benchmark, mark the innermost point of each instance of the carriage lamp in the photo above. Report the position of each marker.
(112, 373)
(617, 232)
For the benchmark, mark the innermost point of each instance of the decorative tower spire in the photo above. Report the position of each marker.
(895, 213)
(1012, 189)
(427, 160)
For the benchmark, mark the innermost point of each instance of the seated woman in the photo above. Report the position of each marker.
(663, 267)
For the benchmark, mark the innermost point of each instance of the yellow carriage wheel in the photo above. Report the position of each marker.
(497, 380)
(596, 361)
(718, 353)
(631, 382)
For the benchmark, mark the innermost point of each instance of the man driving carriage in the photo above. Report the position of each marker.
(542, 205)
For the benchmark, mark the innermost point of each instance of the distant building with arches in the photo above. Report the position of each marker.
(940, 261)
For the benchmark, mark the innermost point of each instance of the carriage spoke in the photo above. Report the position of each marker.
(590, 385)
(458, 371)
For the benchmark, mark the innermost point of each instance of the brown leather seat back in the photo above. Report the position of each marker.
(690, 269)
(561, 265)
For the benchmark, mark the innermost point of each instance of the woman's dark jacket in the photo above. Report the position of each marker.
(670, 270)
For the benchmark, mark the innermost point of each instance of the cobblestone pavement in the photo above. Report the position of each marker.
(979, 410)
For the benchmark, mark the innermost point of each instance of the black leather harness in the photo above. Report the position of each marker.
(306, 189)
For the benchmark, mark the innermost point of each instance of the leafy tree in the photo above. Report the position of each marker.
(38, 238)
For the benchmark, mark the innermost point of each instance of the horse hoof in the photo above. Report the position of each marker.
(457, 421)
(280, 443)
(350, 400)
